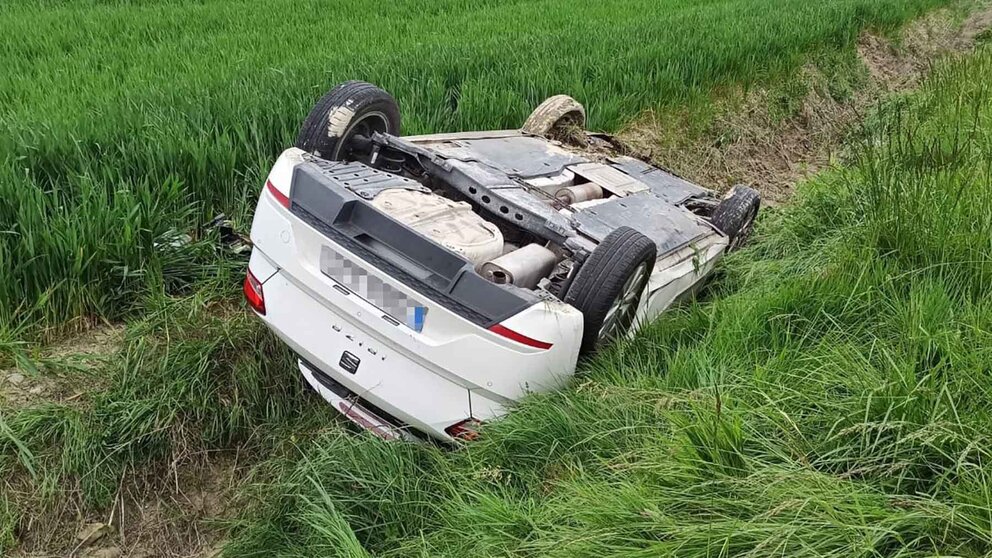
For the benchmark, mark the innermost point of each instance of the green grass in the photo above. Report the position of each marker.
(828, 396)
(831, 398)
(127, 123)
(194, 375)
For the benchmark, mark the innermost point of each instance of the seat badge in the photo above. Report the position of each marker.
(349, 362)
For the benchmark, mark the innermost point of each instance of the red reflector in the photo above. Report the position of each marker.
(283, 199)
(253, 294)
(519, 338)
(466, 430)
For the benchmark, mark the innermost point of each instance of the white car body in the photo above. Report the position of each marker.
(402, 383)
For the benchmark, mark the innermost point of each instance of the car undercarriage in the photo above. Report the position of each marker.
(523, 191)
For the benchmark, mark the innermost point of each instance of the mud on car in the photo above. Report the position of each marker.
(428, 282)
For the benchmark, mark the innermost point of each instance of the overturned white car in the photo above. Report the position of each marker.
(428, 282)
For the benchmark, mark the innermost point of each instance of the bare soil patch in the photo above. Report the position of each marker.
(749, 141)
(62, 372)
(174, 513)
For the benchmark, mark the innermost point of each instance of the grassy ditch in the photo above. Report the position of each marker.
(830, 399)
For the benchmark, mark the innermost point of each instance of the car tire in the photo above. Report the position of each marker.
(352, 109)
(555, 114)
(735, 215)
(609, 286)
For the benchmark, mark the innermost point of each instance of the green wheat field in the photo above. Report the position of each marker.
(828, 395)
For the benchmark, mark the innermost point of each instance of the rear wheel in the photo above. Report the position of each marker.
(735, 215)
(556, 115)
(342, 122)
(608, 287)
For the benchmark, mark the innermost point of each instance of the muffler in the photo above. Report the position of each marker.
(579, 193)
(524, 267)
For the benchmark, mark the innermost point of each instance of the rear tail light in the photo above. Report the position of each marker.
(519, 337)
(466, 430)
(283, 199)
(253, 293)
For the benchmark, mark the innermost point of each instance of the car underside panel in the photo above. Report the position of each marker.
(665, 184)
(517, 156)
(451, 224)
(500, 194)
(487, 186)
(362, 179)
(669, 226)
(497, 174)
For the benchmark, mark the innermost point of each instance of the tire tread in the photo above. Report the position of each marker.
(312, 136)
(603, 274)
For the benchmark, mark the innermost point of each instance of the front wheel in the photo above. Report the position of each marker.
(342, 122)
(608, 287)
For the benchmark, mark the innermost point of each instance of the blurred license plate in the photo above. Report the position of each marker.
(352, 276)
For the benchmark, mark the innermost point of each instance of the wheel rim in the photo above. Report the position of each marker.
(622, 311)
(364, 126)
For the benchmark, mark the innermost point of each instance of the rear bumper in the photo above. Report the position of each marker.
(383, 376)
(411, 381)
